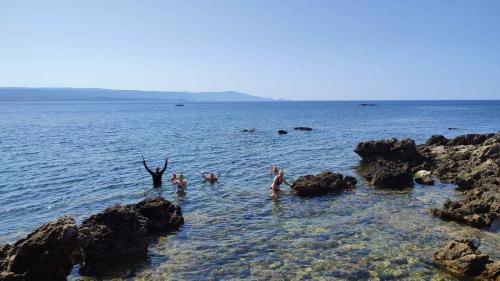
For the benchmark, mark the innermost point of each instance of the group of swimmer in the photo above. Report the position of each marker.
(180, 182)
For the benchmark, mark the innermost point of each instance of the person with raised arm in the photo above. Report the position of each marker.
(157, 174)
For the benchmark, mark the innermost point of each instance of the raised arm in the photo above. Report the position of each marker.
(146, 166)
(165, 166)
(203, 175)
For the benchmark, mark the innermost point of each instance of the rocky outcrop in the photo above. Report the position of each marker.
(388, 163)
(47, 253)
(461, 257)
(282, 132)
(387, 174)
(117, 235)
(251, 130)
(471, 161)
(323, 183)
(302, 129)
(120, 232)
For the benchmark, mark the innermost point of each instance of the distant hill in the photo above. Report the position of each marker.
(94, 94)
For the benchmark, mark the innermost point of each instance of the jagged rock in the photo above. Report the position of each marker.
(326, 182)
(118, 231)
(390, 150)
(387, 174)
(302, 129)
(251, 130)
(437, 140)
(461, 257)
(119, 234)
(47, 253)
(282, 132)
(161, 215)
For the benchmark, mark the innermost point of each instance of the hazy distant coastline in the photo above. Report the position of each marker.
(96, 94)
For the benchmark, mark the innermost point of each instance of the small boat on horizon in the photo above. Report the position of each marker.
(179, 104)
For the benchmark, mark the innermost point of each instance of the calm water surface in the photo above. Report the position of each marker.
(78, 158)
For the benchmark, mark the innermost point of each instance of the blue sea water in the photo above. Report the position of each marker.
(80, 157)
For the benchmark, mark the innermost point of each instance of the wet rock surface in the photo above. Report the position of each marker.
(47, 253)
(122, 232)
(471, 161)
(117, 236)
(323, 183)
(461, 257)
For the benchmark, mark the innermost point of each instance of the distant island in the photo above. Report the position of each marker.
(96, 94)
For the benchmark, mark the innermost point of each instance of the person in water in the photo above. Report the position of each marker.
(157, 174)
(173, 178)
(211, 178)
(277, 181)
(180, 182)
(274, 170)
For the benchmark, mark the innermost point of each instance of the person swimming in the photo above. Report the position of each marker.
(274, 170)
(180, 182)
(157, 174)
(211, 178)
(173, 178)
(277, 181)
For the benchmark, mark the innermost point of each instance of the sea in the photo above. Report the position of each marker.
(79, 158)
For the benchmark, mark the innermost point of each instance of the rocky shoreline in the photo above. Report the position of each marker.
(119, 233)
(471, 161)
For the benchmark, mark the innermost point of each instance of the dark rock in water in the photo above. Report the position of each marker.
(470, 139)
(437, 140)
(161, 215)
(302, 129)
(461, 257)
(120, 233)
(392, 150)
(387, 174)
(351, 179)
(47, 253)
(452, 128)
(251, 130)
(282, 132)
(367, 104)
(326, 182)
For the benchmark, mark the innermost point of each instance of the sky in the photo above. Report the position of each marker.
(301, 50)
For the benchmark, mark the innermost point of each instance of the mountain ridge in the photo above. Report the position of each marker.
(100, 94)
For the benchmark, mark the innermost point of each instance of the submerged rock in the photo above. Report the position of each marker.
(323, 183)
(282, 132)
(251, 130)
(47, 253)
(302, 129)
(461, 257)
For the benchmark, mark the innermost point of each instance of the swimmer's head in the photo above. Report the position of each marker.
(281, 173)
(157, 170)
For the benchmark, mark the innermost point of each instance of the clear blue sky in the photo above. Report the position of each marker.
(281, 49)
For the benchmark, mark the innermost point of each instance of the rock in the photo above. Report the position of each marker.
(282, 132)
(461, 257)
(387, 174)
(326, 182)
(391, 150)
(47, 253)
(161, 215)
(470, 139)
(251, 130)
(367, 104)
(302, 129)
(119, 234)
(491, 272)
(118, 231)
(452, 128)
(424, 177)
(437, 140)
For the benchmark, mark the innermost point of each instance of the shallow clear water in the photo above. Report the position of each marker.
(78, 158)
